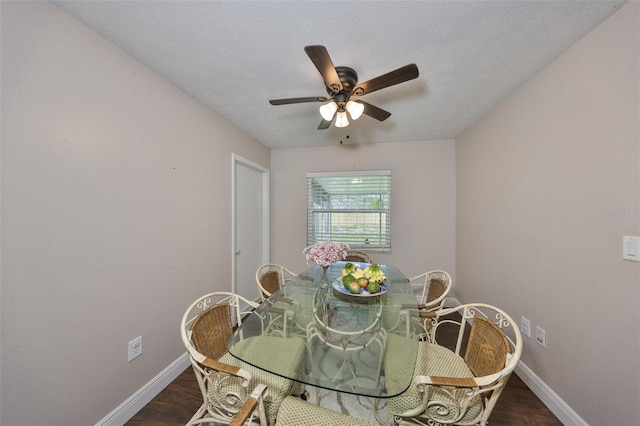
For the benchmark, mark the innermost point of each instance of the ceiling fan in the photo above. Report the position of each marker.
(342, 85)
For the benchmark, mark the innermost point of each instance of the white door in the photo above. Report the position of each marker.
(250, 225)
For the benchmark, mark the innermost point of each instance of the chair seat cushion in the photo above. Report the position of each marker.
(285, 353)
(432, 360)
(295, 412)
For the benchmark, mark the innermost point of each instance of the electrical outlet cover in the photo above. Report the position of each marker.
(135, 348)
(541, 337)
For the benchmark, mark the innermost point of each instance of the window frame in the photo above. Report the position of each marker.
(382, 238)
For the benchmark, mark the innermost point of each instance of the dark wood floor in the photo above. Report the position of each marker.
(175, 405)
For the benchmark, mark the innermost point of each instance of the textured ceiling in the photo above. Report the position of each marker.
(235, 56)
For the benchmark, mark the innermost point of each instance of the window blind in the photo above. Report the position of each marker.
(350, 207)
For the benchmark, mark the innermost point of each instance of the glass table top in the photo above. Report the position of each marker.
(345, 335)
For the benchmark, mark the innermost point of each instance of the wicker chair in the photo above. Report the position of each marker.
(206, 328)
(434, 287)
(455, 382)
(358, 256)
(293, 412)
(272, 277)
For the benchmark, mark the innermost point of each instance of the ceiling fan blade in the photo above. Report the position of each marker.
(324, 124)
(406, 73)
(298, 100)
(374, 111)
(320, 58)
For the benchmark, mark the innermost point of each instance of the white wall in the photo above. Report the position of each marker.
(422, 200)
(116, 190)
(547, 185)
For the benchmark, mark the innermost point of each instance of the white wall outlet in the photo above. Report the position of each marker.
(135, 348)
(541, 337)
(525, 326)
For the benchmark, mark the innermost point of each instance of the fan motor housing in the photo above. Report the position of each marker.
(349, 79)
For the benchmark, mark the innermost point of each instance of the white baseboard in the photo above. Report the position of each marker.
(125, 411)
(562, 411)
(451, 302)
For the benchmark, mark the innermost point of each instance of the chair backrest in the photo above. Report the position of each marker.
(436, 286)
(271, 277)
(358, 256)
(487, 348)
(208, 322)
(211, 330)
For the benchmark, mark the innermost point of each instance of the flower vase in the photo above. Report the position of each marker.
(324, 279)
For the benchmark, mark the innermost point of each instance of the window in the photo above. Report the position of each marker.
(350, 207)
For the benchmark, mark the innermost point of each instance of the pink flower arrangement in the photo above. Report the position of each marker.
(325, 253)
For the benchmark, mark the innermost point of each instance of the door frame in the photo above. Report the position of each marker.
(266, 217)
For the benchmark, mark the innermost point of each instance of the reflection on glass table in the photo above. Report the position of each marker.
(345, 335)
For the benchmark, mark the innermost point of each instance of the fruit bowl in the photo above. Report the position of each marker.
(337, 284)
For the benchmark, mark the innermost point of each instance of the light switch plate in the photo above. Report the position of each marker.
(631, 248)
(525, 326)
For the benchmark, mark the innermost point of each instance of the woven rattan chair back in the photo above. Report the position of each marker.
(437, 287)
(211, 331)
(358, 256)
(271, 277)
(487, 348)
(270, 281)
(434, 287)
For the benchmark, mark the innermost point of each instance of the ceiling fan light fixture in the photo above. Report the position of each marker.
(327, 110)
(341, 119)
(355, 109)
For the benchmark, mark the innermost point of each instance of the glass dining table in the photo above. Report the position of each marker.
(346, 335)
